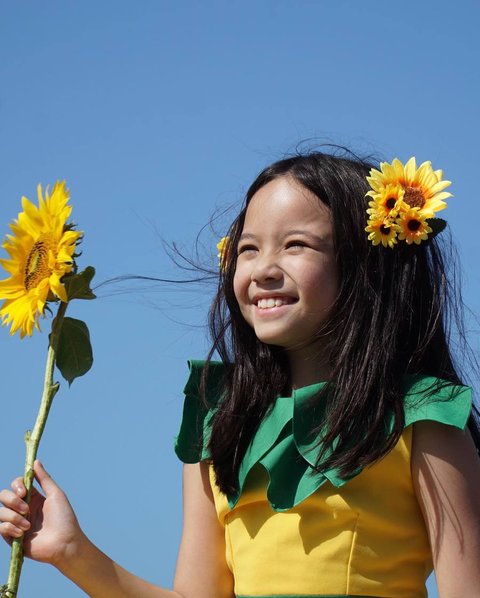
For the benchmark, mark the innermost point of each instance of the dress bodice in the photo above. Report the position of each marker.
(292, 532)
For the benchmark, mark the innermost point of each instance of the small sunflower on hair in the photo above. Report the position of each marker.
(404, 201)
(223, 247)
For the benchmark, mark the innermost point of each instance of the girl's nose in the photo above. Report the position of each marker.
(266, 269)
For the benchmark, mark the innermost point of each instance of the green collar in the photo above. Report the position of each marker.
(284, 444)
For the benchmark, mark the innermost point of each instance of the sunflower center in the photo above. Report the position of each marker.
(414, 197)
(37, 268)
(385, 230)
(414, 225)
(390, 203)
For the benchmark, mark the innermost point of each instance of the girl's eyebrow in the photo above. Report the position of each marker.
(247, 236)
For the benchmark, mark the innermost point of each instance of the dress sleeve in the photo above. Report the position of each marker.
(191, 443)
(429, 398)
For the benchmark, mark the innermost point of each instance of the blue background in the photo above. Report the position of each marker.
(159, 114)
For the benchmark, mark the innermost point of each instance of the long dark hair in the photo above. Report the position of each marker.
(392, 317)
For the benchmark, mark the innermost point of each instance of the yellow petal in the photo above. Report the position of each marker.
(57, 287)
(410, 169)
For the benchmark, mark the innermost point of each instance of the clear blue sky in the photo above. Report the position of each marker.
(158, 113)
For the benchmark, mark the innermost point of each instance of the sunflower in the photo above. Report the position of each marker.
(413, 227)
(222, 247)
(382, 230)
(387, 202)
(41, 251)
(424, 188)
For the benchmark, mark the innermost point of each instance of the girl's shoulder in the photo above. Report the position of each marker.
(434, 399)
(214, 380)
(198, 408)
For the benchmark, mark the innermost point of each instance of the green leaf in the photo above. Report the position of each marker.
(437, 225)
(74, 352)
(78, 285)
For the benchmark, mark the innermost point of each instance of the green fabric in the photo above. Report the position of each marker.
(284, 435)
(429, 398)
(192, 440)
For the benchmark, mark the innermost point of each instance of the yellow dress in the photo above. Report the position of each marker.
(292, 532)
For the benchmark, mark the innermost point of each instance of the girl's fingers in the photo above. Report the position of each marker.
(12, 501)
(44, 479)
(9, 517)
(19, 487)
(12, 524)
(8, 531)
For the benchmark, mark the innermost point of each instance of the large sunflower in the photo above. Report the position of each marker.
(41, 251)
(424, 188)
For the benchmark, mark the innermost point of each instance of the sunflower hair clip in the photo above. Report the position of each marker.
(223, 249)
(404, 201)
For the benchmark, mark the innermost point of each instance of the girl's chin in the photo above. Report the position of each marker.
(276, 338)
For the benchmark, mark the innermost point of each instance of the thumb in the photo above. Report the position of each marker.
(44, 479)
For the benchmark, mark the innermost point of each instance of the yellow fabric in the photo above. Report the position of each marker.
(366, 537)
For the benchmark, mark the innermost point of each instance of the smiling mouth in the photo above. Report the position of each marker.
(270, 302)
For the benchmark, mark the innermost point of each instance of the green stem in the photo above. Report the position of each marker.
(32, 442)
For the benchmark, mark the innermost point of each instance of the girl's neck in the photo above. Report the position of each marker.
(308, 368)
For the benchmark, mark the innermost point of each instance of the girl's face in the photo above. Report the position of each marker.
(286, 277)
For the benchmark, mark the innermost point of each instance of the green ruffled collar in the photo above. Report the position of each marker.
(284, 445)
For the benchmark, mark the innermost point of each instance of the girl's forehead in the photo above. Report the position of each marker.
(283, 202)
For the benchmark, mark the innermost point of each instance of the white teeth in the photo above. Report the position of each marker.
(271, 302)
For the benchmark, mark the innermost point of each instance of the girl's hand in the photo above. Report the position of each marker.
(52, 532)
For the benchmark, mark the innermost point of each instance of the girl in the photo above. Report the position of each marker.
(330, 452)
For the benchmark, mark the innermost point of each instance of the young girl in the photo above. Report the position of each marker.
(330, 452)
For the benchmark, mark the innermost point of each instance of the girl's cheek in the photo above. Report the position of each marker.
(236, 290)
(239, 283)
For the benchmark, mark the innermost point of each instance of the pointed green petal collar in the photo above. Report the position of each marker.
(284, 445)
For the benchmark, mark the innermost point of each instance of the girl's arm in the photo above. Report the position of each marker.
(54, 536)
(446, 476)
(202, 570)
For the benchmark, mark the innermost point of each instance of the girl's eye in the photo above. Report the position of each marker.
(246, 249)
(295, 244)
